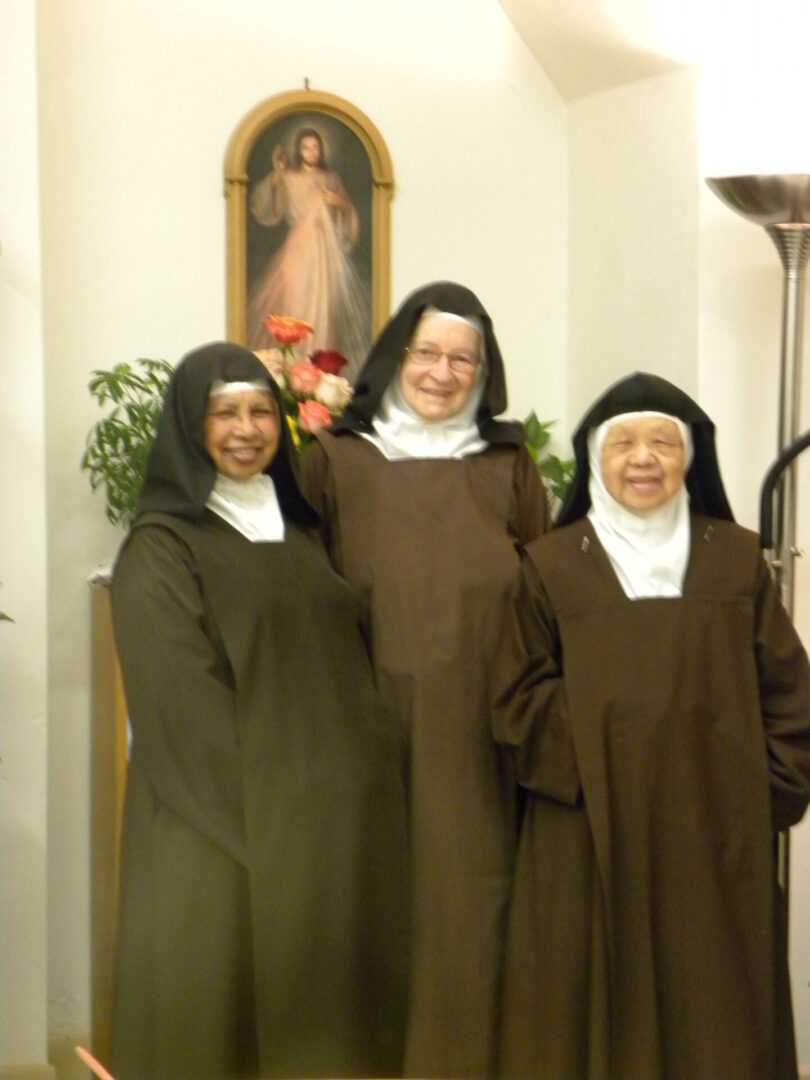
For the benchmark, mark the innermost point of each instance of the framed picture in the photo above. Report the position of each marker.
(308, 185)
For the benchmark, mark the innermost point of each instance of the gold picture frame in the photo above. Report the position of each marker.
(335, 268)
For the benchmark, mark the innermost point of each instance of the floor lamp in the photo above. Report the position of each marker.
(781, 204)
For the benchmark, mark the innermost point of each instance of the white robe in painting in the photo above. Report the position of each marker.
(312, 276)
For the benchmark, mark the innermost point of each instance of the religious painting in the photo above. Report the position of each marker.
(308, 182)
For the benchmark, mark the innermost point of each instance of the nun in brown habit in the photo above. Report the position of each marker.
(424, 497)
(263, 927)
(655, 699)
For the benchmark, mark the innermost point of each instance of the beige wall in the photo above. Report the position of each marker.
(586, 229)
(663, 277)
(23, 647)
(138, 99)
(740, 326)
(633, 231)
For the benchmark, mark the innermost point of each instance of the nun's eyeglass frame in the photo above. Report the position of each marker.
(428, 355)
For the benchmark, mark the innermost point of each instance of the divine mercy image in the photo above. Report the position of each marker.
(309, 234)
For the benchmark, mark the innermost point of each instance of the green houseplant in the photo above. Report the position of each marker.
(557, 472)
(119, 444)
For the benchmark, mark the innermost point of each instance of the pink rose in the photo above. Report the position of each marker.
(329, 361)
(273, 360)
(303, 377)
(312, 416)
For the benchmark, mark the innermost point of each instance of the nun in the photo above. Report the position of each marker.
(655, 699)
(263, 918)
(424, 497)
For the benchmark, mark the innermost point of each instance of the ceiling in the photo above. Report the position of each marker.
(585, 46)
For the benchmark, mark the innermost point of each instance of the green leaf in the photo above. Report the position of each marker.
(117, 446)
(556, 472)
(537, 431)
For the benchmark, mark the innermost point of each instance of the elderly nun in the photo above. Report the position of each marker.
(655, 699)
(425, 496)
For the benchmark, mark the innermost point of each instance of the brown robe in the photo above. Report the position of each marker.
(660, 741)
(263, 931)
(432, 543)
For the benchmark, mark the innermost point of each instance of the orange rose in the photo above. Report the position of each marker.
(303, 377)
(312, 416)
(287, 330)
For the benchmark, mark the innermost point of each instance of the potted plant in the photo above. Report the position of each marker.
(119, 444)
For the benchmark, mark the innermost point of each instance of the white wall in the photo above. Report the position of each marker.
(741, 320)
(633, 236)
(138, 99)
(663, 277)
(23, 652)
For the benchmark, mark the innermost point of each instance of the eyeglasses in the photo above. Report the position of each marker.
(461, 363)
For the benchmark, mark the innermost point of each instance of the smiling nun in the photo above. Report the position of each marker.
(656, 701)
(425, 495)
(263, 927)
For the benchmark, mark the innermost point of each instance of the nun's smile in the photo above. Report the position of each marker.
(242, 432)
(440, 367)
(643, 462)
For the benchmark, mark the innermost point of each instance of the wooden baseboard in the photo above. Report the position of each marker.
(28, 1072)
(108, 758)
(62, 1056)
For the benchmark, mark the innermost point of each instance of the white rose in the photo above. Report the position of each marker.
(334, 392)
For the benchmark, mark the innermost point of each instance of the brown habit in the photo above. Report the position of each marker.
(263, 929)
(660, 742)
(432, 543)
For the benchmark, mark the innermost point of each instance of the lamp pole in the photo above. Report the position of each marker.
(781, 204)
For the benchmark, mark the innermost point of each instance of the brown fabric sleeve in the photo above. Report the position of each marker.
(784, 683)
(529, 707)
(179, 687)
(530, 514)
(318, 488)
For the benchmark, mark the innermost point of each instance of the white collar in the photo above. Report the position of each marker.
(401, 433)
(250, 506)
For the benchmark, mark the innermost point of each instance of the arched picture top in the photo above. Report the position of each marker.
(311, 223)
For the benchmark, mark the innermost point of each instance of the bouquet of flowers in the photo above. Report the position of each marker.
(314, 391)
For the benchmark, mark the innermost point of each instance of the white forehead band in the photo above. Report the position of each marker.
(219, 386)
(597, 435)
(468, 320)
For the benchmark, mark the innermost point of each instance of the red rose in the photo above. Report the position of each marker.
(312, 416)
(303, 377)
(329, 361)
(287, 330)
